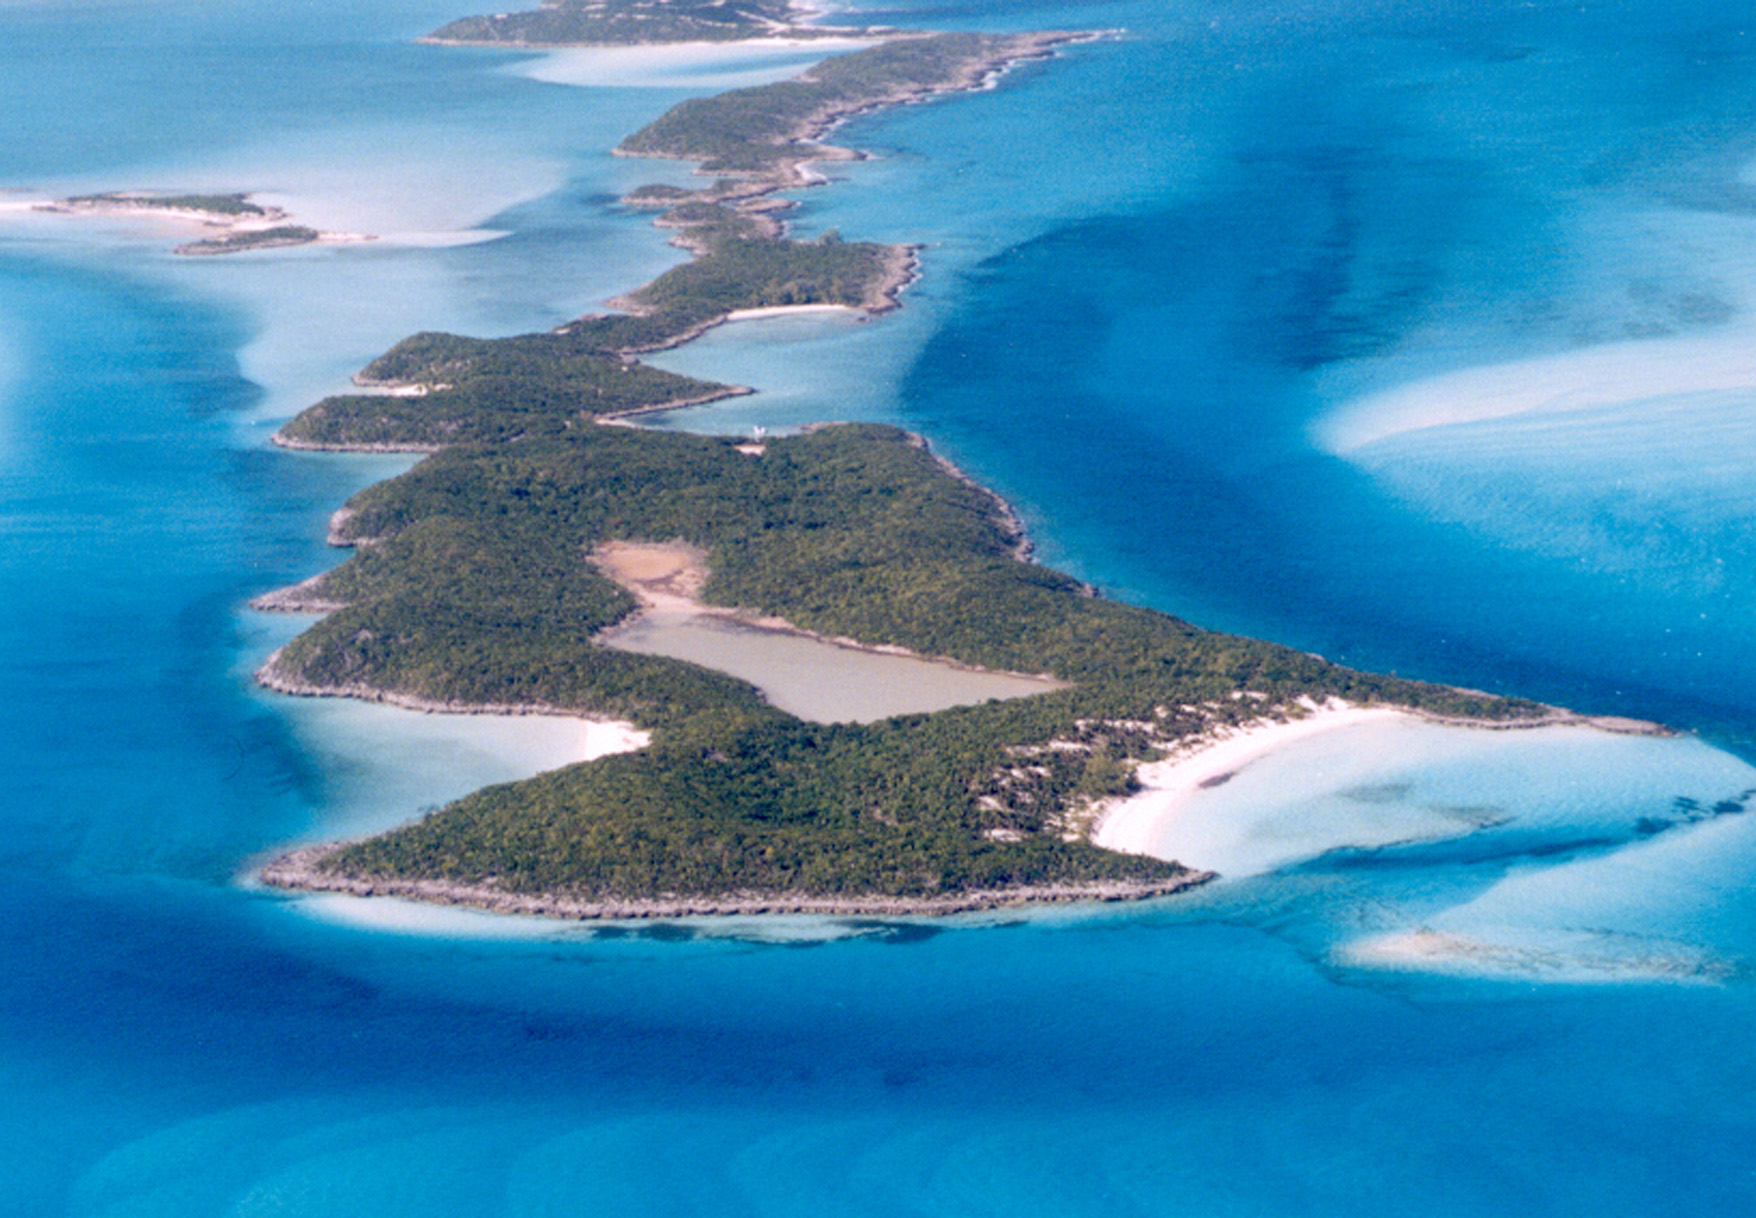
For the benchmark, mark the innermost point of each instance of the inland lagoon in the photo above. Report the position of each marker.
(820, 680)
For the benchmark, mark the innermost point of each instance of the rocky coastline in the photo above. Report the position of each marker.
(302, 870)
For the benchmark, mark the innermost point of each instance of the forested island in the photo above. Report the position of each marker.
(472, 587)
(242, 224)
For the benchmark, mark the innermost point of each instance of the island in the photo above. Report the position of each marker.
(633, 23)
(243, 224)
(490, 577)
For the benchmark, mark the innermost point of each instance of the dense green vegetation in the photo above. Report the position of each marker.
(754, 130)
(256, 239)
(219, 205)
(470, 583)
(657, 194)
(488, 403)
(746, 804)
(851, 530)
(474, 588)
(502, 389)
(755, 273)
(621, 22)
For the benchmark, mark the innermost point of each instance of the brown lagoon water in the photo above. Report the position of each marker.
(814, 679)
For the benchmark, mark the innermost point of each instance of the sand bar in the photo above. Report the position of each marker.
(1569, 957)
(1576, 380)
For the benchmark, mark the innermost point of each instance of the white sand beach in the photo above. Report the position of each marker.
(1276, 794)
(392, 763)
(1136, 825)
(788, 311)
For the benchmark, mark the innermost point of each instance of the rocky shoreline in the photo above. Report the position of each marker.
(301, 870)
(270, 676)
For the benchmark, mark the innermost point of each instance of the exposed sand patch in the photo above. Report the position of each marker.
(1575, 957)
(823, 678)
(667, 575)
(788, 311)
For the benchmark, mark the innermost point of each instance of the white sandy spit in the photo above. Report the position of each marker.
(1274, 794)
(387, 765)
(789, 311)
(1136, 825)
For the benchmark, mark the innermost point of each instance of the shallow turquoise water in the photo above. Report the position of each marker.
(1160, 270)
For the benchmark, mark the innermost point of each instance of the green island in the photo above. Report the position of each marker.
(477, 583)
(210, 206)
(277, 237)
(241, 224)
(632, 22)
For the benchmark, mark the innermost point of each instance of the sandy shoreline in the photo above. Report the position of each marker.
(1134, 823)
(901, 269)
(300, 870)
(790, 311)
(1131, 825)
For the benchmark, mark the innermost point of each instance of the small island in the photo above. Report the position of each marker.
(488, 577)
(633, 23)
(243, 225)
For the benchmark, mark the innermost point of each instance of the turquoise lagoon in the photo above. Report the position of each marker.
(1409, 334)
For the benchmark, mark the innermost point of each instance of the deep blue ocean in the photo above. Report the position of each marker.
(1415, 334)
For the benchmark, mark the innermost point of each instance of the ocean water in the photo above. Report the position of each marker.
(1413, 334)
